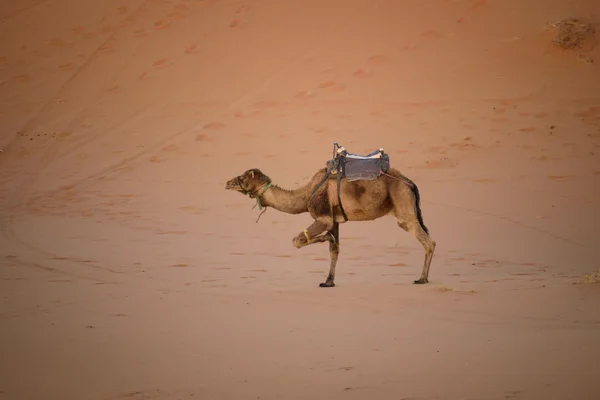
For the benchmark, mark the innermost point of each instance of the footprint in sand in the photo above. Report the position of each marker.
(139, 33)
(57, 42)
(235, 23)
(363, 73)
(561, 178)
(192, 49)
(180, 265)
(201, 137)
(23, 78)
(156, 159)
(305, 94)
(171, 147)
(523, 274)
(444, 162)
(243, 114)
(192, 210)
(333, 86)
(80, 30)
(214, 126)
(243, 9)
(528, 129)
(160, 62)
(588, 112)
(378, 59)
(182, 6)
(466, 145)
(431, 34)
(162, 24)
(107, 48)
(71, 66)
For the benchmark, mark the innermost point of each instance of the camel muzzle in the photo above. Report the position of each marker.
(232, 184)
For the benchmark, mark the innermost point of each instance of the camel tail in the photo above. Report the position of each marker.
(415, 190)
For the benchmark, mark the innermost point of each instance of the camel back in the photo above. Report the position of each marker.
(354, 167)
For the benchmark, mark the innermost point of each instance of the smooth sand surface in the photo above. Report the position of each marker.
(129, 272)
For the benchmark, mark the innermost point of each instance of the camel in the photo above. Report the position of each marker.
(390, 194)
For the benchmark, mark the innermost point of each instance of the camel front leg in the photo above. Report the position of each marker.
(311, 235)
(334, 251)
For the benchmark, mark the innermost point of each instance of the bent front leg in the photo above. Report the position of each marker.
(311, 235)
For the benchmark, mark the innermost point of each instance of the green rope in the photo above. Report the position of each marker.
(260, 206)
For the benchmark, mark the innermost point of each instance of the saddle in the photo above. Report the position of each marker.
(354, 167)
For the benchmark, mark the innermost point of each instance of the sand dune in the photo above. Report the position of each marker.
(128, 272)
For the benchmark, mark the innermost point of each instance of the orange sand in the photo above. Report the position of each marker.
(128, 272)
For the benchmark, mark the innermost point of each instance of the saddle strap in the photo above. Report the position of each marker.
(334, 164)
(341, 169)
(330, 168)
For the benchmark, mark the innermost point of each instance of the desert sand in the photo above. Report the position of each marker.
(129, 272)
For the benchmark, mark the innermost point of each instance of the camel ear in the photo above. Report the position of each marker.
(252, 174)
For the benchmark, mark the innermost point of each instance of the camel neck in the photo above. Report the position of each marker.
(287, 201)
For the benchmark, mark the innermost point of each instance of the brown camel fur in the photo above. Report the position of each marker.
(363, 200)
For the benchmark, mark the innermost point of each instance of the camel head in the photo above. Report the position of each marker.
(249, 182)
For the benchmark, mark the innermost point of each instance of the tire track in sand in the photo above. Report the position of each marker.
(7, 218)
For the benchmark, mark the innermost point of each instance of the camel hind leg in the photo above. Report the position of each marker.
(408, 212)
(414, 226)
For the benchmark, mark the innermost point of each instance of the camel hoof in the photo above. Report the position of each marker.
(421, 281)
(327, 284)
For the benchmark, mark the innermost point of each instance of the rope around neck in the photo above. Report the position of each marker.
(258, 202)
